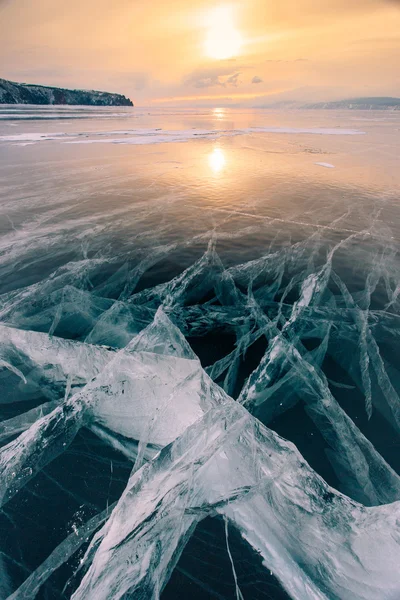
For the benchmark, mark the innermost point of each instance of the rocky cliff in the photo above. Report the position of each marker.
(23, 93)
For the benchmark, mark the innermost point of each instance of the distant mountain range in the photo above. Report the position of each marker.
(24, 93)
(374, 103)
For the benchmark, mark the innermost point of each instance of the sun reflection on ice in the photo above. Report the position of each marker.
(217, 160)
(218, 113)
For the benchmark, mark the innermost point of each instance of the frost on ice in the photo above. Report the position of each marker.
(81, 350)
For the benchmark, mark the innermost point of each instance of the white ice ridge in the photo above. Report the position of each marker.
(287, 315)
(320, 544)
(364, 474)
(150, 391)
(160, 136)
(48, 362)
(217, 459)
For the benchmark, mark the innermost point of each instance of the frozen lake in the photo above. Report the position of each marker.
(176, 274)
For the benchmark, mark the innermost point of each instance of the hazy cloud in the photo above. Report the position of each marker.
(4, 3)
(256, 79)
(279, 60)
(205, 78)
(205, 82)
(379, 41)
(233, 80)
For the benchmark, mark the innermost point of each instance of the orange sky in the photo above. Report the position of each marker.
(248, 52)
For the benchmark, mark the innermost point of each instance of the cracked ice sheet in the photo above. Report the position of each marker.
(228, 430)
(57, 360)
(271, 285)
(150, 391)
(229, 463)
(173, 292)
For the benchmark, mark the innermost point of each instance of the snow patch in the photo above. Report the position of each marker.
(326, 165)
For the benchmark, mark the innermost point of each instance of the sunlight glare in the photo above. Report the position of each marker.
(217, 160)
(223, 40)
(218, 113)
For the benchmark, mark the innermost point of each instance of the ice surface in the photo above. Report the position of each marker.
(157, 136)
(229, 463)
(150, 391)
(187, 378)
(32, 585)
(46, 363)
(223, 460)
(364, 473)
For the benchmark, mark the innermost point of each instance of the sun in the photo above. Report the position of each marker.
(223, 40)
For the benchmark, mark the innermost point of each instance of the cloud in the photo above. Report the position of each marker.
(205, 82)
(232, 80)
(205, 78)
(256, 79)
